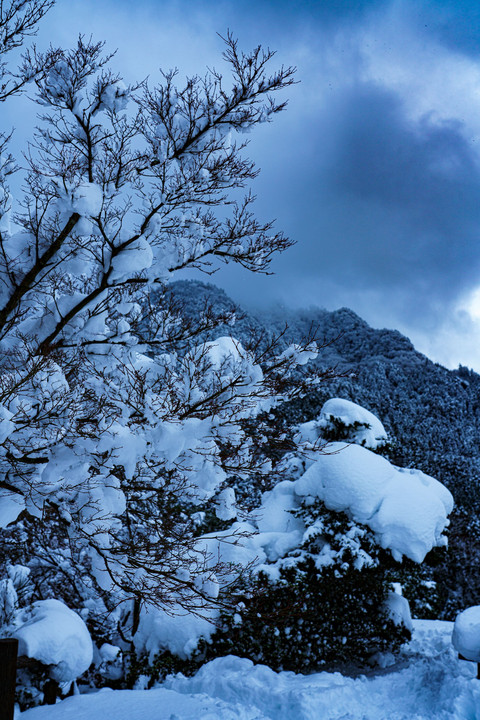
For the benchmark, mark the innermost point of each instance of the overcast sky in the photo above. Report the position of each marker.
(374, 170)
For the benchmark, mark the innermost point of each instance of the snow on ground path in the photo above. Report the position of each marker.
(434, 684)
(158, 704)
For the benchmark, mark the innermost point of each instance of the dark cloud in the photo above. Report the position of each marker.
(455, 23)
(385, 209)
(330, 11)
(412, 193)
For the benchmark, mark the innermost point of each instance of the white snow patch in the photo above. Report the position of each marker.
(158, 704)
(405, 508)
(50, 632)
(87, 199)
(300, 355)
(114, 97)
(11, 505)
(179, 633)
(132, 259)
(429, 682)
(466, 633)
(225, 508)
(109, 653)
(349, 413)
(6, 424)
(399, 609)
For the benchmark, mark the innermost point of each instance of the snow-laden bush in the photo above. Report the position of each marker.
(48, 631)
(344, 420)
(53, 638)
(316, 611)
(329, 542)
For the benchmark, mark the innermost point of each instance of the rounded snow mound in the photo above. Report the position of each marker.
(466, 633)
(55, 635)
(367, 430)
(341, 419)
(406, 509)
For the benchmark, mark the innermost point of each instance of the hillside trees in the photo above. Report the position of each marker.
(110, 445)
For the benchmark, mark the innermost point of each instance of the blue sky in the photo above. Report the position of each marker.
(374, 169)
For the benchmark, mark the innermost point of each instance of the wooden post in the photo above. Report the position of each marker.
(8, 673)
(51, 691)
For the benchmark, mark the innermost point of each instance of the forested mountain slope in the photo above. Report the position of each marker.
(432, 414)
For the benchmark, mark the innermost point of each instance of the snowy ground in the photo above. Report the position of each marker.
(429, 682)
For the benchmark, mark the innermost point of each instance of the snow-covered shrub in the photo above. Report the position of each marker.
(334, 542)
(53, 638)
(327, 605)
(48, 631)
(343, 420)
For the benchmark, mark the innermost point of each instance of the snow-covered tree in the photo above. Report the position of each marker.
(335, 537)
(119, 426)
